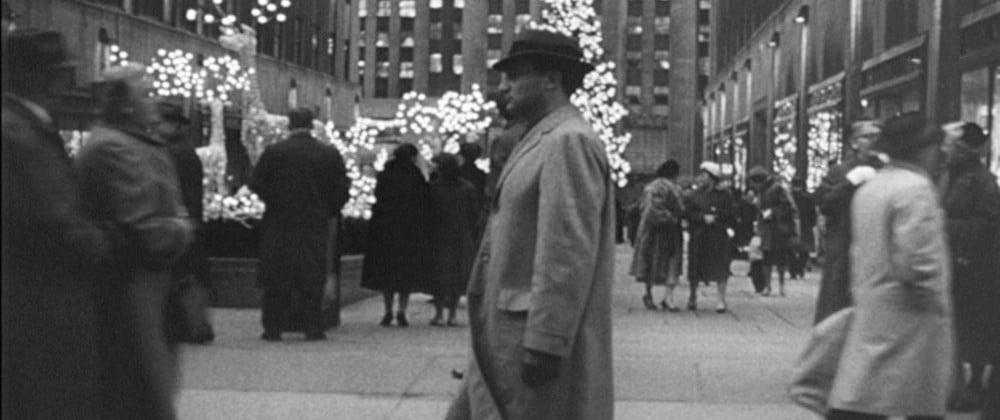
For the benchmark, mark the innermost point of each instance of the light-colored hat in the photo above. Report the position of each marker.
(866, 127)
(711, 168)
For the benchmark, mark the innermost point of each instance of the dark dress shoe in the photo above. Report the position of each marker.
(271, 336)
(401, 320)
(315, 336)
(386, 320)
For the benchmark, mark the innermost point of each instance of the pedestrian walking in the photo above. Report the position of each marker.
(397, 259)
(897, 357)
(51, 248)
(659, 242)
(805, 244)
(303, 184)
(468, 154)
(711, 214)
(971, 203)
(778, 224)
(455, 205)
(540, 293)
(129, 180)
(191, 274)
(833, 197)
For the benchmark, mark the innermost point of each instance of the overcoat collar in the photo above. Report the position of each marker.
(534, 136)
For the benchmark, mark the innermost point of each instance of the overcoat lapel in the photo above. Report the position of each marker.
(532, 139)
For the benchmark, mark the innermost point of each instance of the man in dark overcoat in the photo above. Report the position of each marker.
(833, 196)
(50, 249)
(304, 185)
(805, 244)
(971, 202)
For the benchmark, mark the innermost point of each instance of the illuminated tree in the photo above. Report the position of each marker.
(596, 99)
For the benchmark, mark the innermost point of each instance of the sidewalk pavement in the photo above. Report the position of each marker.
(687, 365)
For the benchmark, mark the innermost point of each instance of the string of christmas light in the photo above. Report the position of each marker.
(174, 74)
(116, 55)
(784, 150)
(441, 126)
(824, 145)
(596, 99)
(266, 10)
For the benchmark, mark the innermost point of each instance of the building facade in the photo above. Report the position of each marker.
(791, 75)
(295, 56)
(433, 46)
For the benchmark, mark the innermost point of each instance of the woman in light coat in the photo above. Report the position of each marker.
(659, 241)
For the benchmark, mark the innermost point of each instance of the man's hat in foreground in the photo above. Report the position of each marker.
(30, 50)
(907, 132)
(539, 45)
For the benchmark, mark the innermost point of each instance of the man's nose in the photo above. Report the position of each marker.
(504, 86)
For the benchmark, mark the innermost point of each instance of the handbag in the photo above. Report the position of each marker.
(187, 313)
(816, 368)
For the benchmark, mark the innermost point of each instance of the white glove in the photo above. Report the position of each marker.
(860, 174)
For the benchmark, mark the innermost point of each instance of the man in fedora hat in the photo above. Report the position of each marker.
(898, 349)
(50, 250)
(539, 297)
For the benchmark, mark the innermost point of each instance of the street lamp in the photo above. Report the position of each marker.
(803, 16)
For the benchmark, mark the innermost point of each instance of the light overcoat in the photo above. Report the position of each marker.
(897, 359)
(543, 278)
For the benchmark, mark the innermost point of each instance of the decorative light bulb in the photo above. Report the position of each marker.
(271, 7)
(261, 2)
(280, 17)
(209, 18)
(261, 19)
(191, 14)
(286, 3)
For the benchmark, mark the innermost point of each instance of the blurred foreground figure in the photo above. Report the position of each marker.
(897, 358)
(129, 180)
(540, 293)
(50, 250)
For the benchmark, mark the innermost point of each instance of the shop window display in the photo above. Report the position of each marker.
(824, 144)
(784, 141)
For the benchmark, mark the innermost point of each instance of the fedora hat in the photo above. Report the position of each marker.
(535, 44)
(172, 112)
(30, 50)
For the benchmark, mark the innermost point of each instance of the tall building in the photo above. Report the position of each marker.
(791, 75)
(432, 46)
(295, 55)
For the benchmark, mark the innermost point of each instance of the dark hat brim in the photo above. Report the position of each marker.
(568, 61)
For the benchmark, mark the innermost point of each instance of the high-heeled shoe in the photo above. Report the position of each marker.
(668, 307)
(721, 308)
(647, 300)
(386, 320)
(401, 320)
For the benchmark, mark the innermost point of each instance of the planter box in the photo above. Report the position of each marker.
(235, 279)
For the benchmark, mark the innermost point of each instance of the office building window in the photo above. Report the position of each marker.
(362, 39)
(634, 7)
(456, 64)
(405, 85)
(436, 4)
(492, 56)
(406, 39)
(494, 24)
(661, 109)
(406, 70)
(381, 87)
(459, 4)
(361, 67)
(149, 8)
(384, 8)
(661, 99)
(662, 58)
(407, 8)
(435, 64)
(381, 54)
(521, 22)
(456, 30)
(522, 6)
(633, 42)
(634, 24)
(436, 29)
(633, 95)
(406, 54)
(633, 76)
(382, 40)
(382, 24)
(661, 78)
(382, 69)
(661, 42)
(362, 8)
(662, 7)
(662, 24)
(406, 24)
(496, 7)
(494, 41)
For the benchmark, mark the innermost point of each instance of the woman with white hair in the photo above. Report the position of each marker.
(129, 181)
(711, 212)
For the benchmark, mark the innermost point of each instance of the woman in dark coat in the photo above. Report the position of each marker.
(396, 261)
(778, 224)
(455, 205)
(711, 212)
